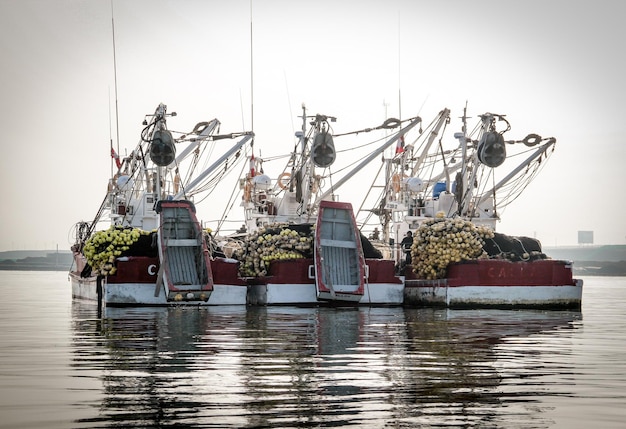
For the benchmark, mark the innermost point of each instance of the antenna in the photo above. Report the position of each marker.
(251, 76)
(399, 68)
(113, 153)
(400, 144)
(117, 122)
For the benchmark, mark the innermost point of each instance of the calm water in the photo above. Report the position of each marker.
(63, 367)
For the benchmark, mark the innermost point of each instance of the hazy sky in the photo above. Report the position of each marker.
(556, 68)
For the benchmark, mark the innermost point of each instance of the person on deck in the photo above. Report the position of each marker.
(406, 244)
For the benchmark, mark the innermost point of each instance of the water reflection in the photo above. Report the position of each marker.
(311, 367)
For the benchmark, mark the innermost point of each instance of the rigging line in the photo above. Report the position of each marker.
(423, 103)
(330, 179)
(214, 178)
(423, 133)
(362, 146)
(480, 175)
(210, 149)
(198, 154)
(368, 193)
(276, 158)
(482, 179)
(212, 181)
(521, 184)
(234, 193)
(217, 177)
(193, 163)
(476, 130)
(431, 173)
(389, 123)
(513, 195)
(514, 189)
(209, 188)
(356, 161)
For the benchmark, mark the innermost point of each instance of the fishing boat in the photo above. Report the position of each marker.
(303, 245)
(451, 199)
(427, 187)
(152, 249)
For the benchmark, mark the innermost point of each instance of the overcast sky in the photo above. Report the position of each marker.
(556, 68)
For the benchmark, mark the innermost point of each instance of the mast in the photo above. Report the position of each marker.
(300, 166)
(160, 125)
(468, 194)
(462, 137)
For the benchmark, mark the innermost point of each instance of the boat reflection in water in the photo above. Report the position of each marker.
(310, 367)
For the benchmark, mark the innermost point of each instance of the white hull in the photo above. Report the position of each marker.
(383, 294)
(375, 294)
(495, 295)
(84, 288)
(306, 294)
(137, 294)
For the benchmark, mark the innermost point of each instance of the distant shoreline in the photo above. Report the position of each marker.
(591, 261)
(36, 260)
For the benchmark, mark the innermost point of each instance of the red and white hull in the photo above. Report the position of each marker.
(292, 282)
(134, 284)
(544, 283)
(481, 283)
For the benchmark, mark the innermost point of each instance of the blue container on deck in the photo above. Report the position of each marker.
(438, 189)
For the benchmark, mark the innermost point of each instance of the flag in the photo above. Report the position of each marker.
(400, 145)
(116, 157)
